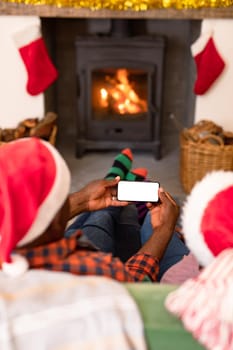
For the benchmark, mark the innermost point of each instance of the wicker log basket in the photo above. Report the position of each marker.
(203, 148)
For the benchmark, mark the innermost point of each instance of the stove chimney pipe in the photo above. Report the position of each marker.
(120, 28)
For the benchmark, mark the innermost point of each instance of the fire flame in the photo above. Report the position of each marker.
(119, 95)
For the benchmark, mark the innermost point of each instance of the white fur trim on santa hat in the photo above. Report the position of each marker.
(16, 267)
(54, 201)
(194, 208)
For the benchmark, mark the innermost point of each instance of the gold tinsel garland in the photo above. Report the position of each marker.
(136, 5)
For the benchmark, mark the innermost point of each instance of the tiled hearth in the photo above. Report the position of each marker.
(94, 165)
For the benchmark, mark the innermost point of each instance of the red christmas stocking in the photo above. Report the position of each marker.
(41, 71)
(209, 63)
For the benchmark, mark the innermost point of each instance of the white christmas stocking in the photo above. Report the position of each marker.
(41, 71)
(209, 63)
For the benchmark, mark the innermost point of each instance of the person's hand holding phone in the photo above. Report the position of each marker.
(96, 195)
(164, 215)
(165, 212)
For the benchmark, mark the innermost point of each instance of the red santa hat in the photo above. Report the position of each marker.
(34, 184)
(207, 217)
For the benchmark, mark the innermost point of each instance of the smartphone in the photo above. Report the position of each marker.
(138, 191)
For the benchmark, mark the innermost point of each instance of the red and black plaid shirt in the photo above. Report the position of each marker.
(68, 254)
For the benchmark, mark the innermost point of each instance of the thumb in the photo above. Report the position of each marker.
(162, 194)
(113, 182)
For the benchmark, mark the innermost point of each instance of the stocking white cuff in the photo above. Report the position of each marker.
(199, 45)
(27, 35)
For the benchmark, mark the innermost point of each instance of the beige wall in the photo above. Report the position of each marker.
(217, 103)
(16, 104)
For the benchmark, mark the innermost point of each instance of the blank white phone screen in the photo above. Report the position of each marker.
(136, 191)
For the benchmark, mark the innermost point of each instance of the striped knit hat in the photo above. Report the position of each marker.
(204, 303)
(34, 184)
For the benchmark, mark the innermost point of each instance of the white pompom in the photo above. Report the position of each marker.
(17, 267)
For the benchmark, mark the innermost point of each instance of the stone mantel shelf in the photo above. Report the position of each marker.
(53, 11)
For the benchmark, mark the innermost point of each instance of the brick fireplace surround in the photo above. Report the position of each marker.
(61, 27)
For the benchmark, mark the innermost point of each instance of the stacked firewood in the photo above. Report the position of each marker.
(207, 131)
(44, 128)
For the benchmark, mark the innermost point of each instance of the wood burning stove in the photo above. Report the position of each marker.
(119, 92)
